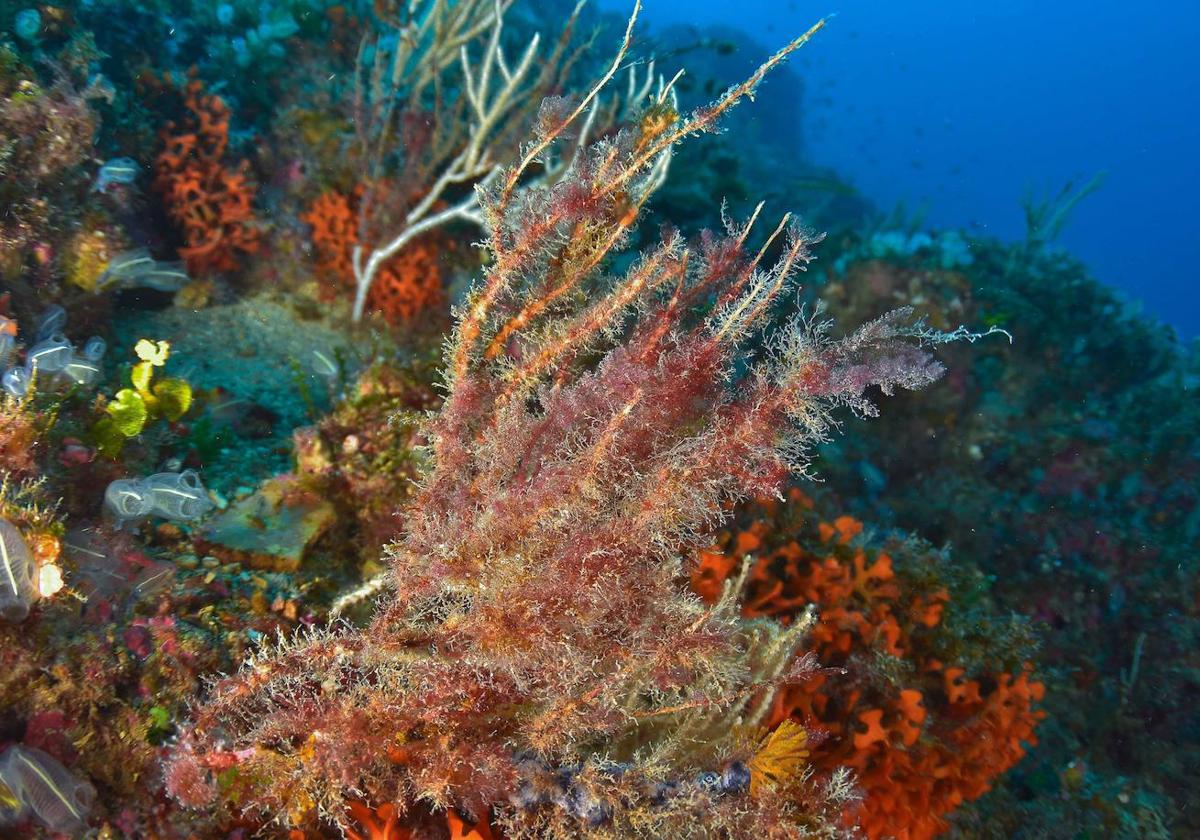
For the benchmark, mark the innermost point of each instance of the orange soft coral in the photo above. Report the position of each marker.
(409, 283)
(922, 737)
(380, 824)
(462, 830)
(211, 203)
(383, 823)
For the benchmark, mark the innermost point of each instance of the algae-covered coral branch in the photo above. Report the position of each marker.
(471, 135)
(540, 662)
(438, 81)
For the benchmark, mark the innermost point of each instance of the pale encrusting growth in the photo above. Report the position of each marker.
(539, 661)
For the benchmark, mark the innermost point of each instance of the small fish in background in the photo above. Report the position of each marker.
(120, 170)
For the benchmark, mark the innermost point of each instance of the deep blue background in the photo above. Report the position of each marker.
(963, 104)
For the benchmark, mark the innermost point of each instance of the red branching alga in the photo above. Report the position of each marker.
(539, 663)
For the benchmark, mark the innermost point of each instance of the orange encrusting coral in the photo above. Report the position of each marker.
(380, 824)
(920, 743)
(211, 203)
(407, 284)
(383, 823)
(460, 829)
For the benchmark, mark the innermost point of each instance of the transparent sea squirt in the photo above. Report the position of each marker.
(169, 495)
(177, 495)
(59, 800)
(50, 355)
(17, 589)
(127, 499)
(50, 322)
(16, 381)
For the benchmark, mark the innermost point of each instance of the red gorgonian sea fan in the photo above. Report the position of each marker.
(539, 661)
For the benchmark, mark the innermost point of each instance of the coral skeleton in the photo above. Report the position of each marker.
(538, 663)
(475, 135)
(406, 285)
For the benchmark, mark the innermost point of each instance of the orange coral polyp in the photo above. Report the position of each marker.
(383, 823)
(874, 732)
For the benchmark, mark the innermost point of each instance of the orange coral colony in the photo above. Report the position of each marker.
(209, 202)
(383, 823)
(922, 737)
(407, 284)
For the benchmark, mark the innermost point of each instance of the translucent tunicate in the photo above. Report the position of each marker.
(50, 355)
(121, 170)
(17, 589)
(15, 381)
(81, 371)
(241, 53)
(93, 351)
(137, 269)
(126, 498)
(735, 778)
(284, 27)
(60, 800)
(165, 277)
(324, 366)
(178, 495)
(12, 809)
(125, 264)
(919, 241)
(51, 322)
(169, 495)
